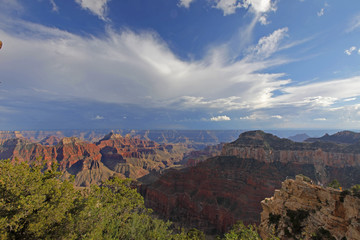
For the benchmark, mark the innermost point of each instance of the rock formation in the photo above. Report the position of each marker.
(92, 163)
(217, 192)
(50, 141)
(347, 137)
(299, 137)
(302, 210)
(196, 139)
(329, 159)
(221, 190)
(194, 157)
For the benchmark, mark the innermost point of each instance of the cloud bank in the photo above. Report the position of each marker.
(124, 67)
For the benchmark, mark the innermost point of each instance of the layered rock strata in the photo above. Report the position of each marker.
(93, 163)
(302, 210)
(221, 190)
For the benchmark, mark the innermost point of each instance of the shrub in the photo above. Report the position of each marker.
(334, 184)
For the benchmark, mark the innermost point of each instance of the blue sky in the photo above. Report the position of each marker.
(183, 64)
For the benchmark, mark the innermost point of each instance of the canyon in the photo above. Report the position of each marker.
(113, 155)
(219, 191)
(208, 188)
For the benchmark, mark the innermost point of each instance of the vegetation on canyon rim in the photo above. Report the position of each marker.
(36, 204)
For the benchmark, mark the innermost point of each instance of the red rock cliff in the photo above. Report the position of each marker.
(219, 191)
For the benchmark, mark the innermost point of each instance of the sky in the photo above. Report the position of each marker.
(179, 64)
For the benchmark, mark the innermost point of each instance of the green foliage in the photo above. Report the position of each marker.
(34, 205)
(241, 232)
(37, 205)
(195, 234)
(334, 184)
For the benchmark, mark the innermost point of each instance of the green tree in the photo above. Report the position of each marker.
(241, 232)
(115, 211)
(33, 204)
(36, 204)
(334, 184)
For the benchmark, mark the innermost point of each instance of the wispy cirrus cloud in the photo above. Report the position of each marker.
(135, 68)
(55, 7)
(124, 67)
(270, 44)
(354, 24)
(96, 7)
(185, 3)
(260, 116)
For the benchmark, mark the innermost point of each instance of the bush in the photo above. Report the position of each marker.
(240, 232)
(334, 184)
(38, 205)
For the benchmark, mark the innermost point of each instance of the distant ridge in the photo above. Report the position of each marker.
(347, 137)
(299, 137)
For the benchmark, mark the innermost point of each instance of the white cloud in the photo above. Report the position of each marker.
(355, 24)
(220, 118)
(350, 50)
(98, 117)
(185, 3)
(11, 6)
(269, 44)
(97, 7)
(260, 116)
(263, 20)
(320, 119)
(277, 116)
(321, 12)
(349, 99)
(320, 94)
(259, 7)
(55, 8)
(228, 6)
(120, 67)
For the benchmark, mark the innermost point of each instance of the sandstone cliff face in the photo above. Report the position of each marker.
(92, 163)
(223, 189)
(6, 135)
(135, 157)
(194, 157)
(302, 210)
(50, 141)
(216, 193)
(329, 159)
